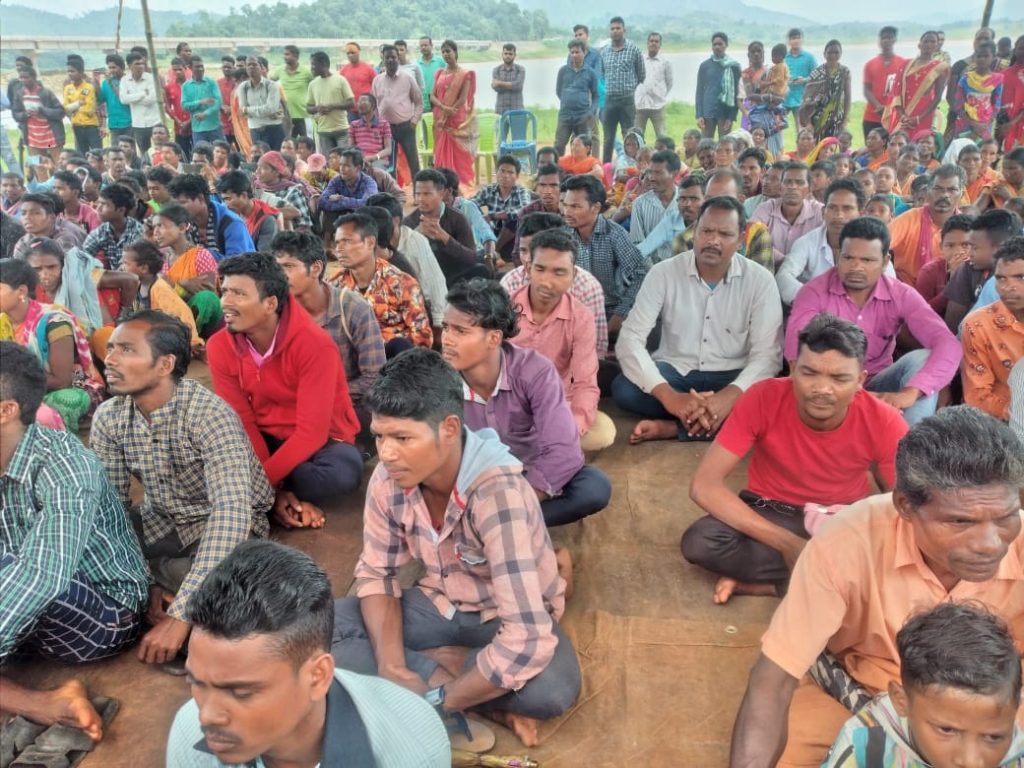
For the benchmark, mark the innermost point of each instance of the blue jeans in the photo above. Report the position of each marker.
(547, 695)
(896, 376)
(631, 398)
(273, 135)
(588, 491)
(208, 136)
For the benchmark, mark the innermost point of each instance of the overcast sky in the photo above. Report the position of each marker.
(873, 10)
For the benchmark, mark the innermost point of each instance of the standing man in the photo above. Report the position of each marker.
(259, 101)
(400, 103)
(409, 66)
(623, 66)
(172, 103)
(295, 80)
(80, 102)
(718, 82)
(119, 115)
(880, 79)
(139, 92)
(652, 93)
(328, 99)
(507, 81)
(800, 64)
(592, 61)
(577, 91)
(201, 97)
(359, 75)
(226, 84)
(429, 65)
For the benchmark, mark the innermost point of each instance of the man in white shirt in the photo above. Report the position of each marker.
(138, 91)
(652, 94)
(721, 332)
(656, 204)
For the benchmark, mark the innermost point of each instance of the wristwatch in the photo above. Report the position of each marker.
(435, 698)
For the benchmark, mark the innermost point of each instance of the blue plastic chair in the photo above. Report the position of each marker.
(518, 134)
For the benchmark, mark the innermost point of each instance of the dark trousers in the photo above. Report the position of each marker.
(271, 134)
(81, 624)
(404, 135)
(722, 549)
(547, 695)
(619, 112)
(298, 127)
(169, 560)
(116, 133)
(143, 139)
(325, 141)
(87, 137)
(334, 470)
(184, 140)
(588, 491)
(397, 346)
(568, 127)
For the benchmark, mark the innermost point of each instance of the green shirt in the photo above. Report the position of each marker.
(296, 88)
(429, 70)
(60, 517)
(333, 89)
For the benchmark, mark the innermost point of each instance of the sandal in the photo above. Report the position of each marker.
(61, 746)
(468, 734)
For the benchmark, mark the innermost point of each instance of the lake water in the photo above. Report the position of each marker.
(541, 74)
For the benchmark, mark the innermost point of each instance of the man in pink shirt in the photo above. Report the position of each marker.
(400, 103)
(793, 215)
(562, 329)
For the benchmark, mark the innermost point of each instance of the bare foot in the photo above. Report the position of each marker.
(69, 705)
(452, 658)
(564, 559)
(523, 727)
(726, 588)
(654, 429)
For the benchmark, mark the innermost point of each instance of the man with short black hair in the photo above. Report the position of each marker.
(328, 99)
(261, 219)
(119, 228)
(201, 97)
(118, 114)
(400, 102)
(507, 81)
(652, 94)
(650, 208)
(989, 230)
(503, 200)
(259, 102)
(718, 82)
(219, 230)
(351, 188)
(577, 89)
(80, 103)
(623, 67)
(295, 80)
(882, 79)
(793, 215)
(917, 233)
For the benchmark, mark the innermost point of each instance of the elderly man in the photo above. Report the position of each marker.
(793, 215)
(400, 103)
(951, 530)
(917, 234)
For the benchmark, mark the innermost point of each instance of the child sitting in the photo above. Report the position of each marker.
(955, 705)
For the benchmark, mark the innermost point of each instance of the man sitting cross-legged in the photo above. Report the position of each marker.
(518, 393)
(265, 691)
(204, 489)
(721, 331)
(562, 329)
(951, 530)
(73, 582)
(821, 420)
(480, 629)
(282, 374)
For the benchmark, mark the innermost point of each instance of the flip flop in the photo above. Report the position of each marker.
(16, 734)
(61, 746)
(469, 734)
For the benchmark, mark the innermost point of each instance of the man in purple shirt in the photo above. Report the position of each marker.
(518, 393)
(351, 188)
(793, 215)
(856, 290)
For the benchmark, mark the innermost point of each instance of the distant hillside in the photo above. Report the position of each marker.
(19, 20)
(689, 12)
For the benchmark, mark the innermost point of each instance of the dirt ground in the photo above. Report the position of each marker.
(664, 669)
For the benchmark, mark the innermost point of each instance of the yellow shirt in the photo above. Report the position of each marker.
(85, 96)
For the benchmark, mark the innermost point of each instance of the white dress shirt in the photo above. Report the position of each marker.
(140, 96)
(652, 93)
(735, 325)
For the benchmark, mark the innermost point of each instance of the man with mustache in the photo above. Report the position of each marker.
(857, 290)
(917, 234)
(752, 538)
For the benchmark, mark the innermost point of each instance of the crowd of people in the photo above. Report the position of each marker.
(850, 318)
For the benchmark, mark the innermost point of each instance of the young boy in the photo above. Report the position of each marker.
(961, 678)
(144, 260)
(880, 206)
(778, 75)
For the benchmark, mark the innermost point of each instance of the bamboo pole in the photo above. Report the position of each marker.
(120, 14)
(986, 15)
(157, 82)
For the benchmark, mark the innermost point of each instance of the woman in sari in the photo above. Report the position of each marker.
(579, 161)
(455, 128)
(876, 153)
(191, 270)
(1010, 122)
(919, 89)
(805, 144)
(55, 336)
(826, 104)
(826, 149)
(979, 179)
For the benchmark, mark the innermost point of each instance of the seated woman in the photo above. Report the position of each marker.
(191, 270)
(877, 152)
(631, 188)
(56, 337)
(625, 163)
(805, 143)
(144, 260)
(826, 149)
(579, 161)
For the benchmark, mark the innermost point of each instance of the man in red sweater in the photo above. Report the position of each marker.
(281, 373)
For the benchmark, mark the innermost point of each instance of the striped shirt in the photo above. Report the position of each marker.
(492, 556)
(1017, 398)
(61, 517)
(197, 468)
(614, 260)
(369, 138)
(648, 211)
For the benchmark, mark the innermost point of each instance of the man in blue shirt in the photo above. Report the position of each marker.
(800, 64)
(577, 91)
(119, 114)
(201, 97)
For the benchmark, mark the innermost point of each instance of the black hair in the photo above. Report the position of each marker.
(432, 175)
(115, 59)
(354, 155)
(755, 152)
(575, 44)
(556, 240)
(385, 225)
(160, 175)
(167, 335)
(451, 180)
(292, 49)
(539, 221)
(795, 32)
(386, 49)
(722, 35)
(176, 213)
(419, 385)
(959, 222)
(48, 246)
(595, 189)
(69, 178)
(390, 203)
(147, 255)
(847, 185)
(920, 184)
(962, 646)
(509, 47)
(866, 228)
(45, 200)
(267, 588)
(76, 62)
(22, 378)
(724, 203)
(693, 180)
(13, 175)
(666, 141)
(11, 232)
(1016, 155)
(509, 160)
(578, 27)
(828, 333)
(16, 272)
(796, 165)
(174, 147)
(301, 246)
(203, 148)
(300, 141)
(884, 199)
(669, 158)
(617, 20)
(825, 165)
(120, 196)
(364, 225)
(320, 56)
(488, 303)
(548, 169)
(998, 224)
(191, 186)
(451, 45)
(779, 49)
(1011, 250)
(263, 268)
(236, 183)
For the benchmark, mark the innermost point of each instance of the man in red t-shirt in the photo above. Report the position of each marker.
(815, 437)
(880, 76)
(359, 75)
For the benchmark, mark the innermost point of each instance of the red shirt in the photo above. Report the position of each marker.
(360, 77)
(882, 81)
(931, 284)
(795, 464)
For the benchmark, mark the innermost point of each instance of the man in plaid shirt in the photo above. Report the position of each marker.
(205, 490)
(503, 201)
(489, 603)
